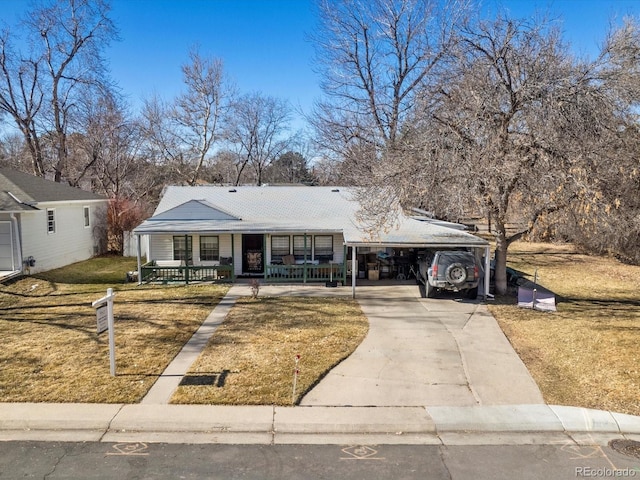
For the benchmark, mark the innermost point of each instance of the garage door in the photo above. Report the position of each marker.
(6, 247)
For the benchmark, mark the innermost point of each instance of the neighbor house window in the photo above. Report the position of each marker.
(209, 249)
(279, 248)
(324, 248)
(86, 217)
(51, 220)
(182, 248)
(299, 249)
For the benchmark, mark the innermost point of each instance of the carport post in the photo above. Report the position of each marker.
(354, 270)
(139, 254)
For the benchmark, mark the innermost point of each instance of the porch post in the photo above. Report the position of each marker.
(354, 270)
(344, 265)
(186, 259)
(487, 271)
(264, 256)
(304, 270)
(139, 255)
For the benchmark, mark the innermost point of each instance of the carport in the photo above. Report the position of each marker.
(417, 233)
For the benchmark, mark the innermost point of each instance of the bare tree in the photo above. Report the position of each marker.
(40, 90)
(258, 132)
(71, 35)
(199, 111)
(21, 97)
(182, 132)
(374, 57)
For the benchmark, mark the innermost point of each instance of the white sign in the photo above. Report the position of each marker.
(102, 315)
(106, 302)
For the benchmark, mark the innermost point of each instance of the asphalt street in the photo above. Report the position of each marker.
(54, 460)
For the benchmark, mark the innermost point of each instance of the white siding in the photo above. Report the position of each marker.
(237, 249)
(160, 247)
(72, 241)
(225, 246)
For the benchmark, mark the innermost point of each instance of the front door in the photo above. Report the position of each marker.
(253, 254)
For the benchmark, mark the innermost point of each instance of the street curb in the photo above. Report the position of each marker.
(477, 425)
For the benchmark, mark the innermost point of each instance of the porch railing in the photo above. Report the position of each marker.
(305, 273)
(165, 272)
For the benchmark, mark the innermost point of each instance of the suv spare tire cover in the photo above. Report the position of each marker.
(456, 274)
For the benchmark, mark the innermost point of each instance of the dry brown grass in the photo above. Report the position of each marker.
(258, 344)
(586, 353)
(50, 349)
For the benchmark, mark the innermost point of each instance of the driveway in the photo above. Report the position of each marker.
(426, 352)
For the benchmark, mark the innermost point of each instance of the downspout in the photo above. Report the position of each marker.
(14, 221)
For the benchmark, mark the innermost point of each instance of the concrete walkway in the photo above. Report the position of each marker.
(436, 352)
(163, 388)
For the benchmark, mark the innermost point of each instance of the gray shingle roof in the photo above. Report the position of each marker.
(30, 190)
(291, 209)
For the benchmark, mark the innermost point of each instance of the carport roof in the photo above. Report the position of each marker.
(295, 209)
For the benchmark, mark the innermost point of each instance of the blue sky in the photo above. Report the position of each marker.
(264, 45)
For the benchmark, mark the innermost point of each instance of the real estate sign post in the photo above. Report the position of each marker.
(106, 303)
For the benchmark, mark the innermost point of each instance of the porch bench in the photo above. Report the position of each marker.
(169, 263)
(171, 269)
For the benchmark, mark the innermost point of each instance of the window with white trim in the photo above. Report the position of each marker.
(51, 220)
(87, 218)
(279, 247)
(324, 248)
(209, 248)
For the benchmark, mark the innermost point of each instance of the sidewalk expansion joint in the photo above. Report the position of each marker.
(108, 429)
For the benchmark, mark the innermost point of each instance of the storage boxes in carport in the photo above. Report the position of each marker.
(373, 271)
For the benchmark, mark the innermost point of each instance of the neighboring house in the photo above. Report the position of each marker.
(282, 233)
(44, 224)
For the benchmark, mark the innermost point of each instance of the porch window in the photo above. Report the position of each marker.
(51, 220)
(279, 247)
(324, 248)
(299, 247)
(209, 248)
(182, 248)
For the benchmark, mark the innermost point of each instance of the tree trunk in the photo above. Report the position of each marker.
(500, 268)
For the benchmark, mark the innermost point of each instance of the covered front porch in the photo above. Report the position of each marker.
(222, 257)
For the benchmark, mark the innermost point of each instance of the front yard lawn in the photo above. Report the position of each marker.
(52, 353)
(253, 353)
(585, 354)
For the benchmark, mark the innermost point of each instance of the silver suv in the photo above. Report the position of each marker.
(448, 270)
